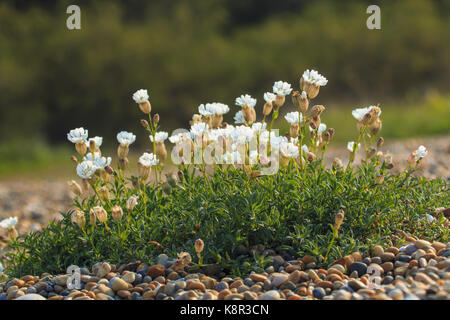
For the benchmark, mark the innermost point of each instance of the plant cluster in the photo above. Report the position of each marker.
(236, 186)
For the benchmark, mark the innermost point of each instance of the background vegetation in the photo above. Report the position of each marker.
(188, 52)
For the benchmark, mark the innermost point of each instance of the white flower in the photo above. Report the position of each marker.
(77, 135)
(289, 150)
(221, 108)
(351, 144)
(198, 129)
(176, 138)
(359, 113)
(430, 218)
(159, 136)
(420, 153)
(321, 129)
(206, 110)
(1, 268)
(269, 97)
(140, 96)
(86, 169)
(126, 138)
(282, 88)
(9, 222)
(98, 141)
(99, 162)
(239, 117)
(259, 127)
(294, 117)
(245, 100)
(148, 159)
(242, 134)
(314, 77)
(305, 148)
(253, 156)
(232, 158)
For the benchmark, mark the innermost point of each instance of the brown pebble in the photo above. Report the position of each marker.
(357, 256)
(223, 294)
(56, 298)
(156, 271)
(258, 277)
(236, 284)
(294, 297)
(195, 285)
(124, 294)
(325, 284)
(393, 250)
(308, 259)
(387, 266)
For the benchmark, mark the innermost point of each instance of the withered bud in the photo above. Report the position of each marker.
(326, 136)
(199, 245)
(310, 156)
(379, 179)
(12, 233)
(156, 118)
(75, 188)
(249, 114)
(304, 102)
(122, 151)
(160, 150)
(79, 218)
(92, 146)
(131, 203)
(279, 100)
(338, 219)
(92, 217)
(100, 214)
(103, 193)
(293, 130)
(116, 213)
(316, 110)
(296, 98)
(312, 124)
(123, 162)
(144, 123)
(372, 152)
(74, 159)
(375, 126)
(380, 142)
(337, 163)
(144, 171)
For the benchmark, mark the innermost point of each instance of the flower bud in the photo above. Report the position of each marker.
(81, 148)
(144, 123)
(156, 118)
(92, 146)
(131, 203)
(326, 136)
(216, 121)
(380, 142)
(79, 218)
(412, 159)
(100, 214)
(267, 109)
(316, 121)
(75, 188)
(116, 213)
(122, 151)
(293, 130)
(92, 217)
(145, 107)
(375, 126)
(74, 159)
(304, 102)
(199, 245)
(311, 89)
(249, 114)
(109, 170)
(371, 153)
(338, 219)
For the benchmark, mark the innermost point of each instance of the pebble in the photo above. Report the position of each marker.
(319, 293)
(270, 295)
(118, 284)
(359, 267)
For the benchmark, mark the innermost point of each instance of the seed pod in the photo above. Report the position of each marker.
(109, 170)
(279, 100)
(249, 114)
(160, 150)
(122, 151)
(92, 217)
(371, 153)
(316, 110)
(267, 109)
(92, 146)
(311, 89)
(293, 130)
(375, 126)
(104, 194)
(216, 121)
(145, 107)
(123, 162)
(199, 245)
(310, 156)
(116, 213)
(144, 171)
(75, 188)
(304, 102)
(81, 148)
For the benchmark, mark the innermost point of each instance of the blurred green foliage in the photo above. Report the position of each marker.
(190, 52)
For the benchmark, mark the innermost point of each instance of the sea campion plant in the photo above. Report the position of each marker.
(234, 187)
